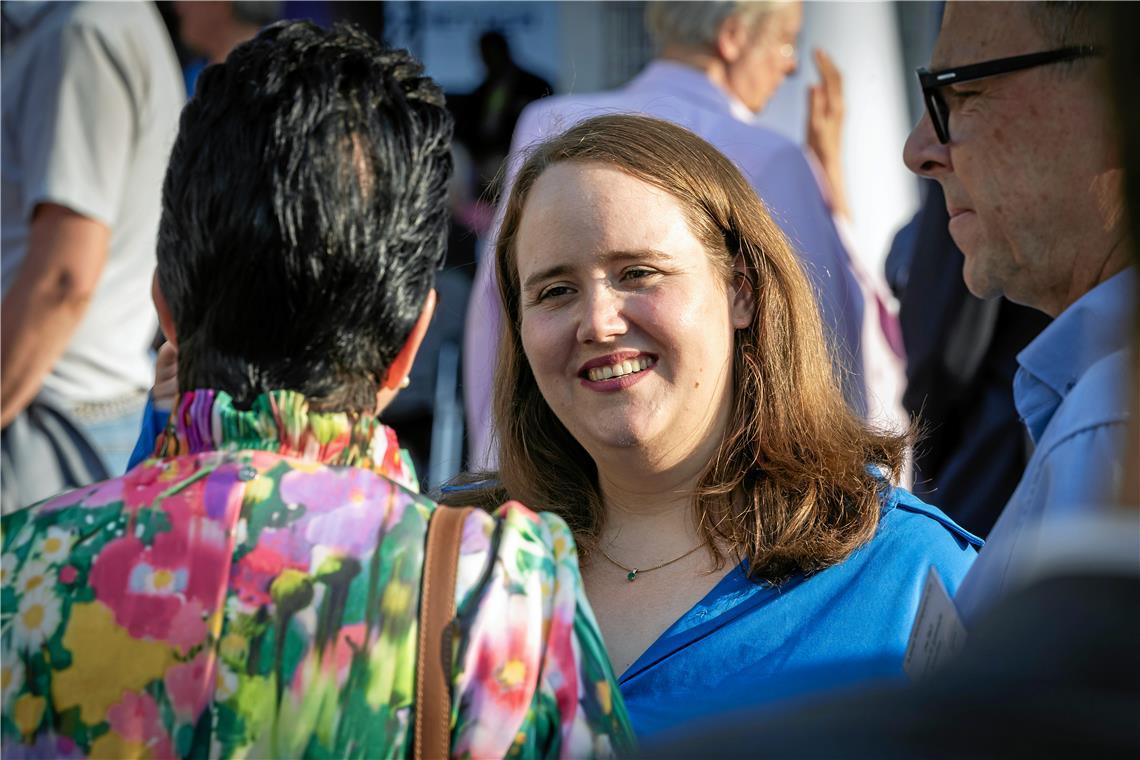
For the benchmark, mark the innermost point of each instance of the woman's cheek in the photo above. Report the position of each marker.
(542, 342)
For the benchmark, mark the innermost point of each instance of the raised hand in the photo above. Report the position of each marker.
(825, 129)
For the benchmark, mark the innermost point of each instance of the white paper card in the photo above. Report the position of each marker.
(938, 633)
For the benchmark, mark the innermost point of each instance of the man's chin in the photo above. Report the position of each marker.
(980, 284)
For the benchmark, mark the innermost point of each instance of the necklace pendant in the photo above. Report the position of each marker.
(631, 576)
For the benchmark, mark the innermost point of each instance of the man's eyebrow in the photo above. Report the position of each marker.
(939, 61)
(609, 257)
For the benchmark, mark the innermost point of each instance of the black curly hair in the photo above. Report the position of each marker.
(304, 215)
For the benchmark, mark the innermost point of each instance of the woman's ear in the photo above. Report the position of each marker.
(401, 366)
(743, 294)
(165, 317)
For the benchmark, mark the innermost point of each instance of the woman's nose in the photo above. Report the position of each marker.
(601, 316)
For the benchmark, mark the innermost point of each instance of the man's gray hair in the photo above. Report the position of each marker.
(696, 24)
(1062, 23)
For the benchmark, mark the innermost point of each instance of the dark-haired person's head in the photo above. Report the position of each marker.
(304, 218)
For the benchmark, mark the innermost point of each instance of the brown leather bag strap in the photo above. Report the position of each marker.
(437, 610)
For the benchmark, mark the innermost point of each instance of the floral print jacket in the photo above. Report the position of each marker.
(252, 591)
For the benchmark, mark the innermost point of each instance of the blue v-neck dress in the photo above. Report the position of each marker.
(746, 644)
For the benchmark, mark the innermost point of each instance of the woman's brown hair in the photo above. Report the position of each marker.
(795, 485)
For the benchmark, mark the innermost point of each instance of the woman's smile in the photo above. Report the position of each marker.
(616, 371)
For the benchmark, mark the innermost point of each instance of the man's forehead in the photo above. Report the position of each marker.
(784, 19)
(973, 32)
(790, 16)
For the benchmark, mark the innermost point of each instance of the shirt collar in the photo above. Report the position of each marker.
(1095, 325)
(19, 17)
(692, 85)
(281, 422)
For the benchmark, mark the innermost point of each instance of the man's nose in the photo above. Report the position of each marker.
(601, 316)
(923, 154)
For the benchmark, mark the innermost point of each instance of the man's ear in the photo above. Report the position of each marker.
(1108, 190)
(731, 38)
(743, 294)
(402, 365)
(165, 318)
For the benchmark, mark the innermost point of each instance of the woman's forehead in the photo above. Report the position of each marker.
(585, 215)
(595, 200)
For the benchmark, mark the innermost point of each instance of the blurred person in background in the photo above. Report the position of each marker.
(718, 66)
(212, 28)
(91, 95)
(486, 118)
(1034, 196)
(252, 590)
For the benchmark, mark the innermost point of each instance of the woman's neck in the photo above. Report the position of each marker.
(706, 62)
(641, 500)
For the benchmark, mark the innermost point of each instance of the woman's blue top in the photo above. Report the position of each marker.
(746, 643)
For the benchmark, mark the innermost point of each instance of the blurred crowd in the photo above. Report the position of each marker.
(989, 369)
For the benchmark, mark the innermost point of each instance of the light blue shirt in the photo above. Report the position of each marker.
(1071, 392)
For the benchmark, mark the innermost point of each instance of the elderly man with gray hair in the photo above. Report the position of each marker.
(719, 64)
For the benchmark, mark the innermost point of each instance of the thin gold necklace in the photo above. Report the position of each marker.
(631, 573)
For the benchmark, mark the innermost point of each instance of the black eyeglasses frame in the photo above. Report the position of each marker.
(932, 81)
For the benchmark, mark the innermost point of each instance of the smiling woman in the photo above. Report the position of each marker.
(664, 385)
(626, 322)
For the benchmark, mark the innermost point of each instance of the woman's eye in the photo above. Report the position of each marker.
(552, 292)
(637, 273)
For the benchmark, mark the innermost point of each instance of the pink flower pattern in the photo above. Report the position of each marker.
(191, 685)
(136, 719)
(147, 586)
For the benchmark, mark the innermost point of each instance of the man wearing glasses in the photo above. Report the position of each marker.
(1018, 133)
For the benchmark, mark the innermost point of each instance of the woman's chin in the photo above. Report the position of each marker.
(618, 437)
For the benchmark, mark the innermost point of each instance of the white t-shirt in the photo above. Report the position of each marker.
(91, 97)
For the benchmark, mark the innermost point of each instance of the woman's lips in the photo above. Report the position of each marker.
(615, 372)
(610, 359)
(618, 369)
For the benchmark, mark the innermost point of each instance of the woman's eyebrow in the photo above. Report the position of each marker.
(609, 257)
(637, 254)
(545, 274)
